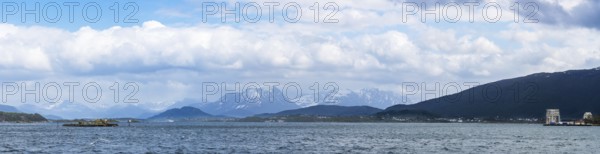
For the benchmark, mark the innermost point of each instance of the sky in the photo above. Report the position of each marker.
(158, 52)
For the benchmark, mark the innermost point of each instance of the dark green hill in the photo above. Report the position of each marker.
(573, 92)
(21, 117)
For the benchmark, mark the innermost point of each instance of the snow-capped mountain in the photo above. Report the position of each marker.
(243, 104)
(250, 102)
(371, 97)
(257, 101)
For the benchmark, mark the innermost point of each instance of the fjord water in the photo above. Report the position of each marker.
(230, 137)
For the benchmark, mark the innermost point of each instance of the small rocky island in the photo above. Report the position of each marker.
(95, 123)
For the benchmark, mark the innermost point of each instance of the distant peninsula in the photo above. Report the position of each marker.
(14, 117)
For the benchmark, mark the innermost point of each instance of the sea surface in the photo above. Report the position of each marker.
(231, 137)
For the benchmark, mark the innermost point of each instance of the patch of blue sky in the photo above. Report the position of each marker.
(72, 15)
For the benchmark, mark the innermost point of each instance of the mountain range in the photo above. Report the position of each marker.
(326, 110)
(230, 105)
(188, 113)
(235, 104)
(573, 92)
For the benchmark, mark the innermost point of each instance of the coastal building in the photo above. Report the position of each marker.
(552, 116)
(587, 116)
(579, 123)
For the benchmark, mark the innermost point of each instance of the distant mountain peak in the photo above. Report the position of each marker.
(185, 112)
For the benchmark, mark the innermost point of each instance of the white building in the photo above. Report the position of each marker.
(552, 116)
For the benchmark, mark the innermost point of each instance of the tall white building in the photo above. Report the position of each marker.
(552, 116)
